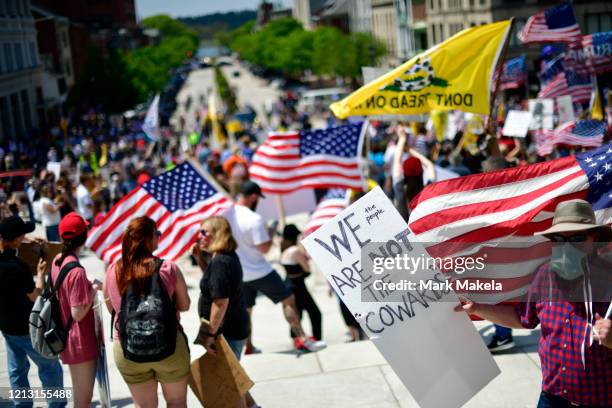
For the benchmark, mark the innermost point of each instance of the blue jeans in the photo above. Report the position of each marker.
(237, 346)
(18, 349)
(502, 332)
(554, 401)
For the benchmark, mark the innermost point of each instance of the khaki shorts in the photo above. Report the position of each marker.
(169, 370)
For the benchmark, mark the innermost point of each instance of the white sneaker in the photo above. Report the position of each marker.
(314, 345)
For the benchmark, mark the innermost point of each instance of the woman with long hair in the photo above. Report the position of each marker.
(130, 280)
(295, 261)
(76, 296)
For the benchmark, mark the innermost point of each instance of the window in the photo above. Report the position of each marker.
(8, 58)
(19, 55)
(433, 34)
(39, 94)
(596, 23)
(12, 8)
(439, 5)
(27, 112)
(5, 118)
(431, 4)
(441, 32)
(68, 69)
(33, 56)
(17, 122)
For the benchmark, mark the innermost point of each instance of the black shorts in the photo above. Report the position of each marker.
(271, 285)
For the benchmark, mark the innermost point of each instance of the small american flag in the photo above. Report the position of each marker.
(332, 204)
(499, 212)
(323, 158)
(568, 83)
(550, 69)
(587, 133)
(514, 73)
(177, 200)
(557, 24)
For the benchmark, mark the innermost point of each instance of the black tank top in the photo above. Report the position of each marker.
(294, 270)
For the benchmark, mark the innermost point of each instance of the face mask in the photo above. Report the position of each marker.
(566, 261)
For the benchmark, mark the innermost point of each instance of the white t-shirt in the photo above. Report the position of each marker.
(249, 231)
(83, 201)
(47, 217)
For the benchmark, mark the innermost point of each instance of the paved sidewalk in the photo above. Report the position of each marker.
(343, 375)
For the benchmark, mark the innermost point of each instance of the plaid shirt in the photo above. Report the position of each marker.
(563, 330)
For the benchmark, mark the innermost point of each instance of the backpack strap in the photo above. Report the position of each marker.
(60, 279)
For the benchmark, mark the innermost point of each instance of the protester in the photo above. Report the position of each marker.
(253, 242)
(407, 174)
(83, 197)
(575, 371)
(140, 275)
(295, 261)
(221, 288)
(49, 214)
(76, 296)
(17, 295)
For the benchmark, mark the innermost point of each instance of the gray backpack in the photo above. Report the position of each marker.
(47, 333)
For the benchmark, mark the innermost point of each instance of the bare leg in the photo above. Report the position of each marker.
(175, 394)
(83, 378)
(292, 317)
(144, 394)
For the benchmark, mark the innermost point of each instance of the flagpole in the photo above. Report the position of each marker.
(499, 69)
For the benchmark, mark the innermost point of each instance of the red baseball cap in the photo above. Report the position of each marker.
(412, 167)
(72, 225)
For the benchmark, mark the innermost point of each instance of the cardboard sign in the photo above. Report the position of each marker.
(565, 107)
(31, 252)
(517, 123)
(542, 114)
(436, 352)
(219, 381)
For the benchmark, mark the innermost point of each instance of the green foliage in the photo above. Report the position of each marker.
(225, 91)
(283, 45)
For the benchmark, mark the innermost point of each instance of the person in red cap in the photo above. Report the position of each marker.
(75, 296)
(408, 175)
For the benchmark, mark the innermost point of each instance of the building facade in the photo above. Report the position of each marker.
(21, 92)
(304, 10)
(360, 16)
(384, 26)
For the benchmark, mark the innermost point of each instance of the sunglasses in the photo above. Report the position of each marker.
(159, 234)
(203, 232)
(571, 238)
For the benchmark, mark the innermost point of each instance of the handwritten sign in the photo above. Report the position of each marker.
(517, 123)
(436, 352)
(219, 381)
(565, 107)
(542, 114)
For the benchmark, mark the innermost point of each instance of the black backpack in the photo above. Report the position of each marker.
(147, 320)
(47, 333)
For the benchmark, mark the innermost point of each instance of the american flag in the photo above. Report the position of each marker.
(177, 200)
(498, 212)
(557, 24)
(514, 73)
(587, 133)
(598, 52)
(568, 83)
(550, 69)
(333, 202)
(322, 158)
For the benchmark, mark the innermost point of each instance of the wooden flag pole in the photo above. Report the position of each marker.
(499, 69)
(280, 207)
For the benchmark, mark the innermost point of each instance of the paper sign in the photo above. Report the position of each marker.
(517, 123)
(297, 202)
(542, 114)
(565, 107)
(55, 168)
(219, 381)
(436, 352)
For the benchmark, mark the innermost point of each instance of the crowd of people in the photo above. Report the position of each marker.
(98, 164)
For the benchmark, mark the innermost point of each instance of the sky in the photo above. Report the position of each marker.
(185, 8)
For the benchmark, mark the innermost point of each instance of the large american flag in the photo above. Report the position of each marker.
(332, 204)
(497, 213)
(322, 158)
(177, 200)
(556, 24)
(568, 83)
(587, 133)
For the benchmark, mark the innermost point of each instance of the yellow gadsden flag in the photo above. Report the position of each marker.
(455, 74)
